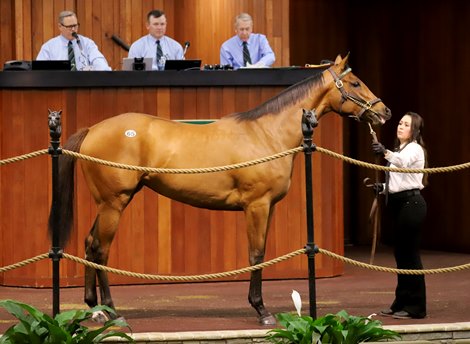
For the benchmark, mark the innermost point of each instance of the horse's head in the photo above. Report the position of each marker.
(350, 96)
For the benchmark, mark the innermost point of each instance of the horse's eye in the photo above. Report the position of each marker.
(355, 84)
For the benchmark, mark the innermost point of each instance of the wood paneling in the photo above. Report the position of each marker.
(27, 24)
(416, 57)
(156, 235)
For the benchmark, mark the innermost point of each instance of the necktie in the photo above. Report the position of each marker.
(71, 57)
(246, 54)
(159, 53)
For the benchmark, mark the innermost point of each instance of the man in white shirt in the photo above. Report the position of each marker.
(80, 50)
(156, 45)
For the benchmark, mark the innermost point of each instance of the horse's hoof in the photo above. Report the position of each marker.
(99, 317)
(267, 320)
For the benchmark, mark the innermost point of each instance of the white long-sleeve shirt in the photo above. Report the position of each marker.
(86, 58)
(412, 156)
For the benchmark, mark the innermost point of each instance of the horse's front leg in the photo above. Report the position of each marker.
(258, 217)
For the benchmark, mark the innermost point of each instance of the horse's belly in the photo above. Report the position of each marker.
(208, 193)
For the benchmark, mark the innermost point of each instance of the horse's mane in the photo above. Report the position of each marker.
(284, 99)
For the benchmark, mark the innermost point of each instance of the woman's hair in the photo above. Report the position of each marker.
(417, 126)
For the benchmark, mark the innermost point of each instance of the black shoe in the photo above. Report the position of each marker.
(386, 312)
(402, 315)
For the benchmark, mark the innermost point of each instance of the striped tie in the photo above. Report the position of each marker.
(246, 54)
(159, 53)
(72, 57)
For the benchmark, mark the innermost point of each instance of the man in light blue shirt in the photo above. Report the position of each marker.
(156, 45)
(259, 52)
(86, 55)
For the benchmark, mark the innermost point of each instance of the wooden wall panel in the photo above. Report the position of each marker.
(27, 24)
(419, 64)
(156, 235)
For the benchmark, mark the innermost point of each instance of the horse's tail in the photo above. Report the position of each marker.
(66, 188)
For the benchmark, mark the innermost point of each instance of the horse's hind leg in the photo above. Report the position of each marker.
(91, 297)
(258, 218)
(97, 246)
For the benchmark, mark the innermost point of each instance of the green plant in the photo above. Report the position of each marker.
(340, 328)
(35, 327)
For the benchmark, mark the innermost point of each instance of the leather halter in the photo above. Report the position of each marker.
(345, 96)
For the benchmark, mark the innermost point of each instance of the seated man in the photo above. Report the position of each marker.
(246, 49)
(156, 45)
(80, 50)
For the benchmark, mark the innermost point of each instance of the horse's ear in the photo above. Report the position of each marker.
(342, 62)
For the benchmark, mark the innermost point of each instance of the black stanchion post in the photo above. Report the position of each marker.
(55, 130)
(309, 121)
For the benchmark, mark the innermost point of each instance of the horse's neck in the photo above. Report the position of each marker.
(288, 122)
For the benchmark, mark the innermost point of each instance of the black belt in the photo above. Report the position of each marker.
(406, 193)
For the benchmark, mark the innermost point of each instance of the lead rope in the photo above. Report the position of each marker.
(374, 214)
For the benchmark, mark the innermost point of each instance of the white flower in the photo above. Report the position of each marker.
(297, 301)
(370, 317)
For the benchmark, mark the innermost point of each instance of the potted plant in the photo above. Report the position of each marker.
(66, 327)
(339, 328)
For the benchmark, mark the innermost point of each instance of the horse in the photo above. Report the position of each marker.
(271, 127)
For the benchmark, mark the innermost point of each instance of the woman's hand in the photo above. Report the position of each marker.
(378, 148)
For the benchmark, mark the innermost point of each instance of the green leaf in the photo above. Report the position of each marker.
(339, 328)
(35, 327)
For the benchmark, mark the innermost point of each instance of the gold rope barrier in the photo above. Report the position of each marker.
(393, 169)
(263, 160)
(184, 170)
(189, 277)
(23, 157)
(24, 262)
(271, 262)
(239, 165)
(393, 270)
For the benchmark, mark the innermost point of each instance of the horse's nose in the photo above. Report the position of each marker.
(388, 113)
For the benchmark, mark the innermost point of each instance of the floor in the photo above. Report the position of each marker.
(224, 305)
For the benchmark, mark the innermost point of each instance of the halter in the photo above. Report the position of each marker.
(364, 104)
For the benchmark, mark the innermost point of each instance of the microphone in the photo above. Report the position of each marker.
(75, 35)
(120, 42)
(86, 63)
(186, 46)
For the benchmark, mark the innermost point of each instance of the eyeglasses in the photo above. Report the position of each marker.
(71, 27)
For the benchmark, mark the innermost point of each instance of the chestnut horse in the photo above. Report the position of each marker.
(144, 140)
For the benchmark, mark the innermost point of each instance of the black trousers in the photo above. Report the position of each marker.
(408, 210)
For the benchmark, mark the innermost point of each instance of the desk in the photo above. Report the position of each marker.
(156, 235)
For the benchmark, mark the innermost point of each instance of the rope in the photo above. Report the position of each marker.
(24, 262)
(23, 157)
(240, 165)
(393, 169)
(266, 159)
(184, 170)
(189, 277)
(393, 270)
